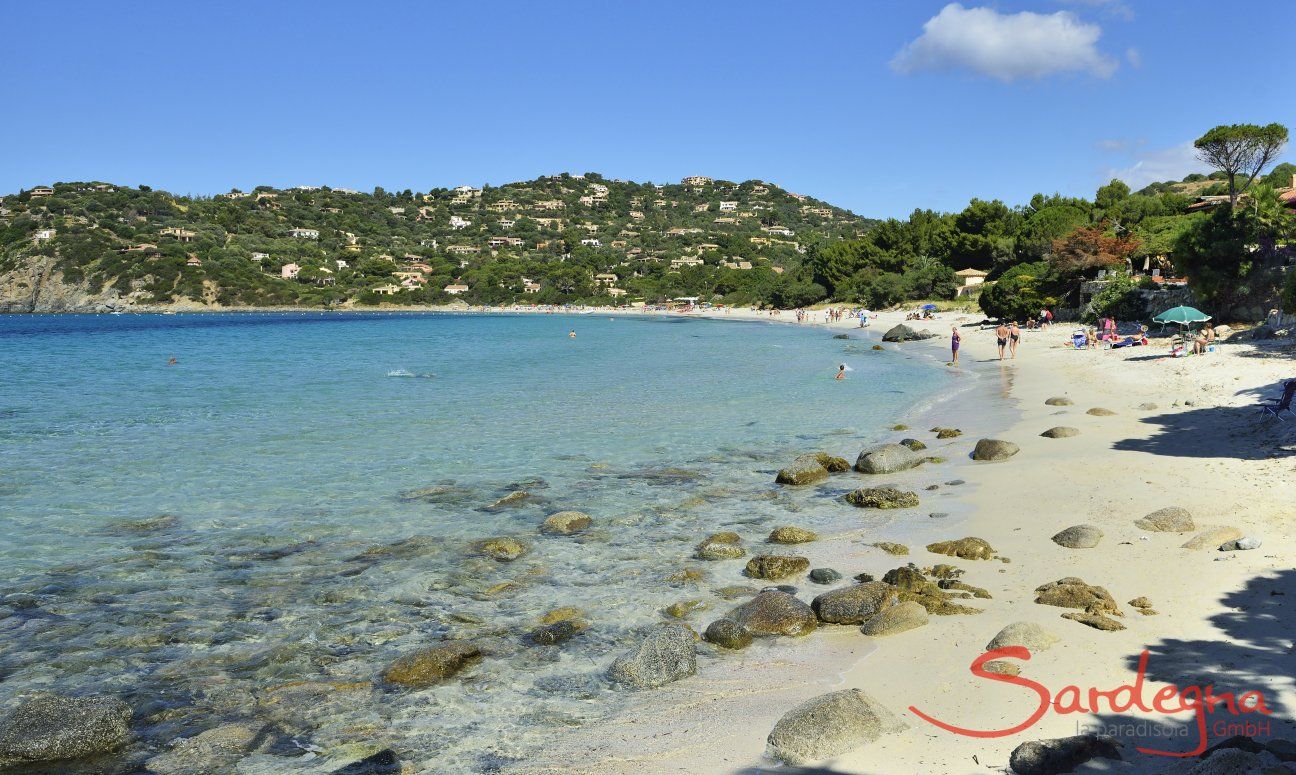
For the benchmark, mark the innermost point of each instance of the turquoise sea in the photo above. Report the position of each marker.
(227, 537)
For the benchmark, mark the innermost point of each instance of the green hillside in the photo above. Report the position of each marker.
(542, 241)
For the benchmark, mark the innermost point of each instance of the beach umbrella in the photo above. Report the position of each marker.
(929, 306)
(1182, 315)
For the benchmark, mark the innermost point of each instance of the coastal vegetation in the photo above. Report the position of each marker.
(568, 239)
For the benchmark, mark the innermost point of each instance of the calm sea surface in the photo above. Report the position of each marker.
(227, 536)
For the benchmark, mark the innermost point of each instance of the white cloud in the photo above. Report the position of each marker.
(1005, 46)
(1165, 164)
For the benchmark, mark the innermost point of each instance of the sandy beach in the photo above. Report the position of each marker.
(1180, 432)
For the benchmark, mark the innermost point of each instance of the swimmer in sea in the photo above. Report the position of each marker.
(571, 334)
(172, 362)
(841, 371)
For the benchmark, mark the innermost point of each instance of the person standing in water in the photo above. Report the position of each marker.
(1001, 335)
(1014, 336)
(955, 338)
(841, 371)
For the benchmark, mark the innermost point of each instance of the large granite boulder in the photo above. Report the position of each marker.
(431, 666)
(896, 619)
(1061, 754)
(830, 725)
(854, 604)
(728, 634)
(902, 333)
(994, 450)
(1032, 636)
(1072, 592)
(886, 459)
(1172, 519)
(773, 612)
(811, 468)
(668, 653)
(54, 727)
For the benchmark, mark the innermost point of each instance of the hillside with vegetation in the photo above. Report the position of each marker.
(555, 240)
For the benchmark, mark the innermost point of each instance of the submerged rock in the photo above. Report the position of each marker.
(53, 727)
(385, 762)
(994, 450)
(566, 523)
(886, 459)
(431, 666)
(503, 548)
(512, 500)
(776, 566)
(854, 604)
(682, 609)
(668, 653)
(215, 750)
(720, 546)
(1172, 519)
(1061, 754)
(970, 548)
(1079, 537)
(775, 613)
(881, 498)
(558, 632)
(791, 535)
(726, 633)
(830, 725)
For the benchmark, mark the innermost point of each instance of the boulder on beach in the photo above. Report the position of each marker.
(896, 619)
(1061, 432)
(1099, 411)
(1032, 636)
(886, 459)
(1172, 519)
(854, 604)
(720, 546)
(789, 534)
(1059, 401)
(947, 433)
(728, 634)
(1243, 544)
(1079, 537)
(913, 585)
(898, 550)
(1061, 754)
(830, 725)
(1147, 406)
(774, 567)
(49, 727)
(1213, 538)
(1001, 667)
(913, 444)
(902, 333)
(994, 450)
(1071, 592)
(431, 666)
(806, 469)
(667, 653)
(503, 548)
(1095, 620)
(775, 613)
(881, 498)
(566, 523)
(970, 548)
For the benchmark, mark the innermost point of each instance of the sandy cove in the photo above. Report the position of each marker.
(1222, 616)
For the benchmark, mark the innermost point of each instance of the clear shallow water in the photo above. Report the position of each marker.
(275, 453)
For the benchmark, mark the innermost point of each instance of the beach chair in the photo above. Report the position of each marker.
(1276, 406)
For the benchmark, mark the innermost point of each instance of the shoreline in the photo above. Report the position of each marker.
(1203, 448)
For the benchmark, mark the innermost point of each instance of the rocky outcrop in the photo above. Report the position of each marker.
(1072, 592)
(902, 333)
(35, 285)
(54, 727)
(666, 654)
(830, 725)
(886, 459)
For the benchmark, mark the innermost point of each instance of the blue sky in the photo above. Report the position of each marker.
(878, 107)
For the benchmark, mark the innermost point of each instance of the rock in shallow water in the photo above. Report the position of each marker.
(726, 633)
(774, 567)
(830, 725)
(566, 523)
(216, 749)
(854, 604)
(903, 333)
(886, 459)
(789, 534)
(385, 762)
(668, 653)
(881, 498)
(1059, 401)
(720, 546)
(775, 613)
(825, 575)
(53, 727)
(504, 549)
(431, 666)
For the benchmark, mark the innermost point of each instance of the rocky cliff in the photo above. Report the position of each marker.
(35, 285)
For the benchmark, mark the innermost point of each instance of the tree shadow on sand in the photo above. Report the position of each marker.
(1252, 651)
(1242, 432)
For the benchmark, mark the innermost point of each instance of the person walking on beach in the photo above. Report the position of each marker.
(1014, 336)
(955, 338)
(1001, 334)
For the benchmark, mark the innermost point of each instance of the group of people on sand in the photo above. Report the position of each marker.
(1008, 336)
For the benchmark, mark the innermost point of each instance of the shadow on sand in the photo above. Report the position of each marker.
(1241, 432)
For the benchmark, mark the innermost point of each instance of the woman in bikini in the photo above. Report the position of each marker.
(1014, 336)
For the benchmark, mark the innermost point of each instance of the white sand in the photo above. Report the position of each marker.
(1218, 621)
